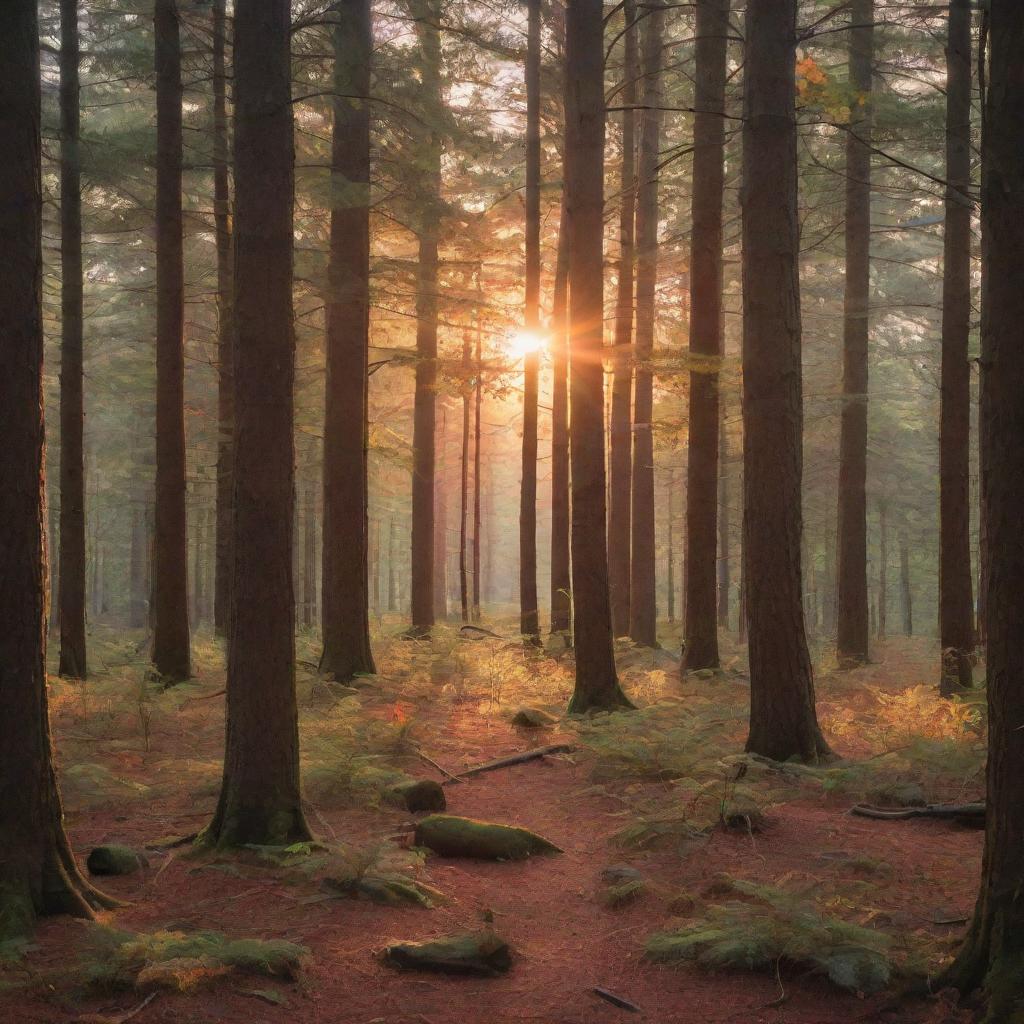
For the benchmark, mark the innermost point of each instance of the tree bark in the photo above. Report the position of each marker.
(440, 546)
(170, 615)
(700, 644)
(225, 325)
(724, 525)
(643, 603)
(905, 589)
(670, 583)
(597, 684)
(38, 873)
(852, 586)
(309, 609)
(561, 582)
(994, 949)
(345, 585)
(783, 721)
(956, 589)
(426, 15)
(621, 418)
(260, 801)
(464, 567)
(883, 569)
(477, 411)
(71, 594)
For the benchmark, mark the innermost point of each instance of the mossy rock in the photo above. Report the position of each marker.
(743, 816)
(481, 953)
(533, 718)
(452, 836)
(705, 673)
(418, 795)
(623, 893)
(115, 859)
(897, 794)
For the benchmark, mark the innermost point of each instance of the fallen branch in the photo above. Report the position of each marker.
(434, 764)
(483, 632)
(506, 762)
(611, 997)
(970, 814)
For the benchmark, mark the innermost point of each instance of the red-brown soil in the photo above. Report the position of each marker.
(565, 941)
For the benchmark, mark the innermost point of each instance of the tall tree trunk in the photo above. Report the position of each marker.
(392, 566)
(170, 615)
(225, 325)
(198, 527)
(309, 564)
(440, 546)
(724, 525)
(464, 568)
(260, 801)
(597, 683)
(72, 476)
(783, 721)
(477, 410)
(561, 582)
(883, 568)
(643, 602)
(905, 590)
(38, 873)
(670, 583)
(852, 587)
(529, 622)
(621, 417)
(345, 586)
(138, 595)
(956, 589)
(994, 949)
(700, 644)
(426, 14)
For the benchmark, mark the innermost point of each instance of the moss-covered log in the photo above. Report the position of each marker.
(452, 836)
(480, 953)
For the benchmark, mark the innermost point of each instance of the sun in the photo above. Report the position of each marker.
(522, 343)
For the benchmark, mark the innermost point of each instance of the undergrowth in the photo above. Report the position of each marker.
(762, 927)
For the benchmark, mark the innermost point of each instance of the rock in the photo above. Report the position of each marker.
(898, 794)
(418, 795)
(705, 673)
(480, 953)
(115, 860)
(622, 893)
(533, 718)
(743, 816)
(616, 874)
(452, 836)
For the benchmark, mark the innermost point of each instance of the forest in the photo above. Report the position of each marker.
(511, 511)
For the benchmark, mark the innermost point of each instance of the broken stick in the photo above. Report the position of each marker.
(506, 762)
(968, 814)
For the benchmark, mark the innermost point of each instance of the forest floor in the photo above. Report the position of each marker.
(653, 790)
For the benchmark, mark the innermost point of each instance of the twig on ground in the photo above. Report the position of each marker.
(512, 759)
(434, 764)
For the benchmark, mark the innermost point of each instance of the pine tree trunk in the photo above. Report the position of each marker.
(38, 873)
(464, 568)
(225, 326)
(72, 476)
(907, 594)
(345, 585)
(171, 655)
(724, 524)
(198, 529)
(669, 558)
(309, 565)
(883, 569)
(621, 417)
(392, 566)
(994, 949)
(426, 15)
(643, 603)
(440, 546)
(477, 411)
(700, 644)
(561, 582)
(783, 721)
(529, 622)
(597, 683)
(956, 588)
(852, 586)
(260, 801)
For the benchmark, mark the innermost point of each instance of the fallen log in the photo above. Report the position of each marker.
(966, 814)
(512, 759)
